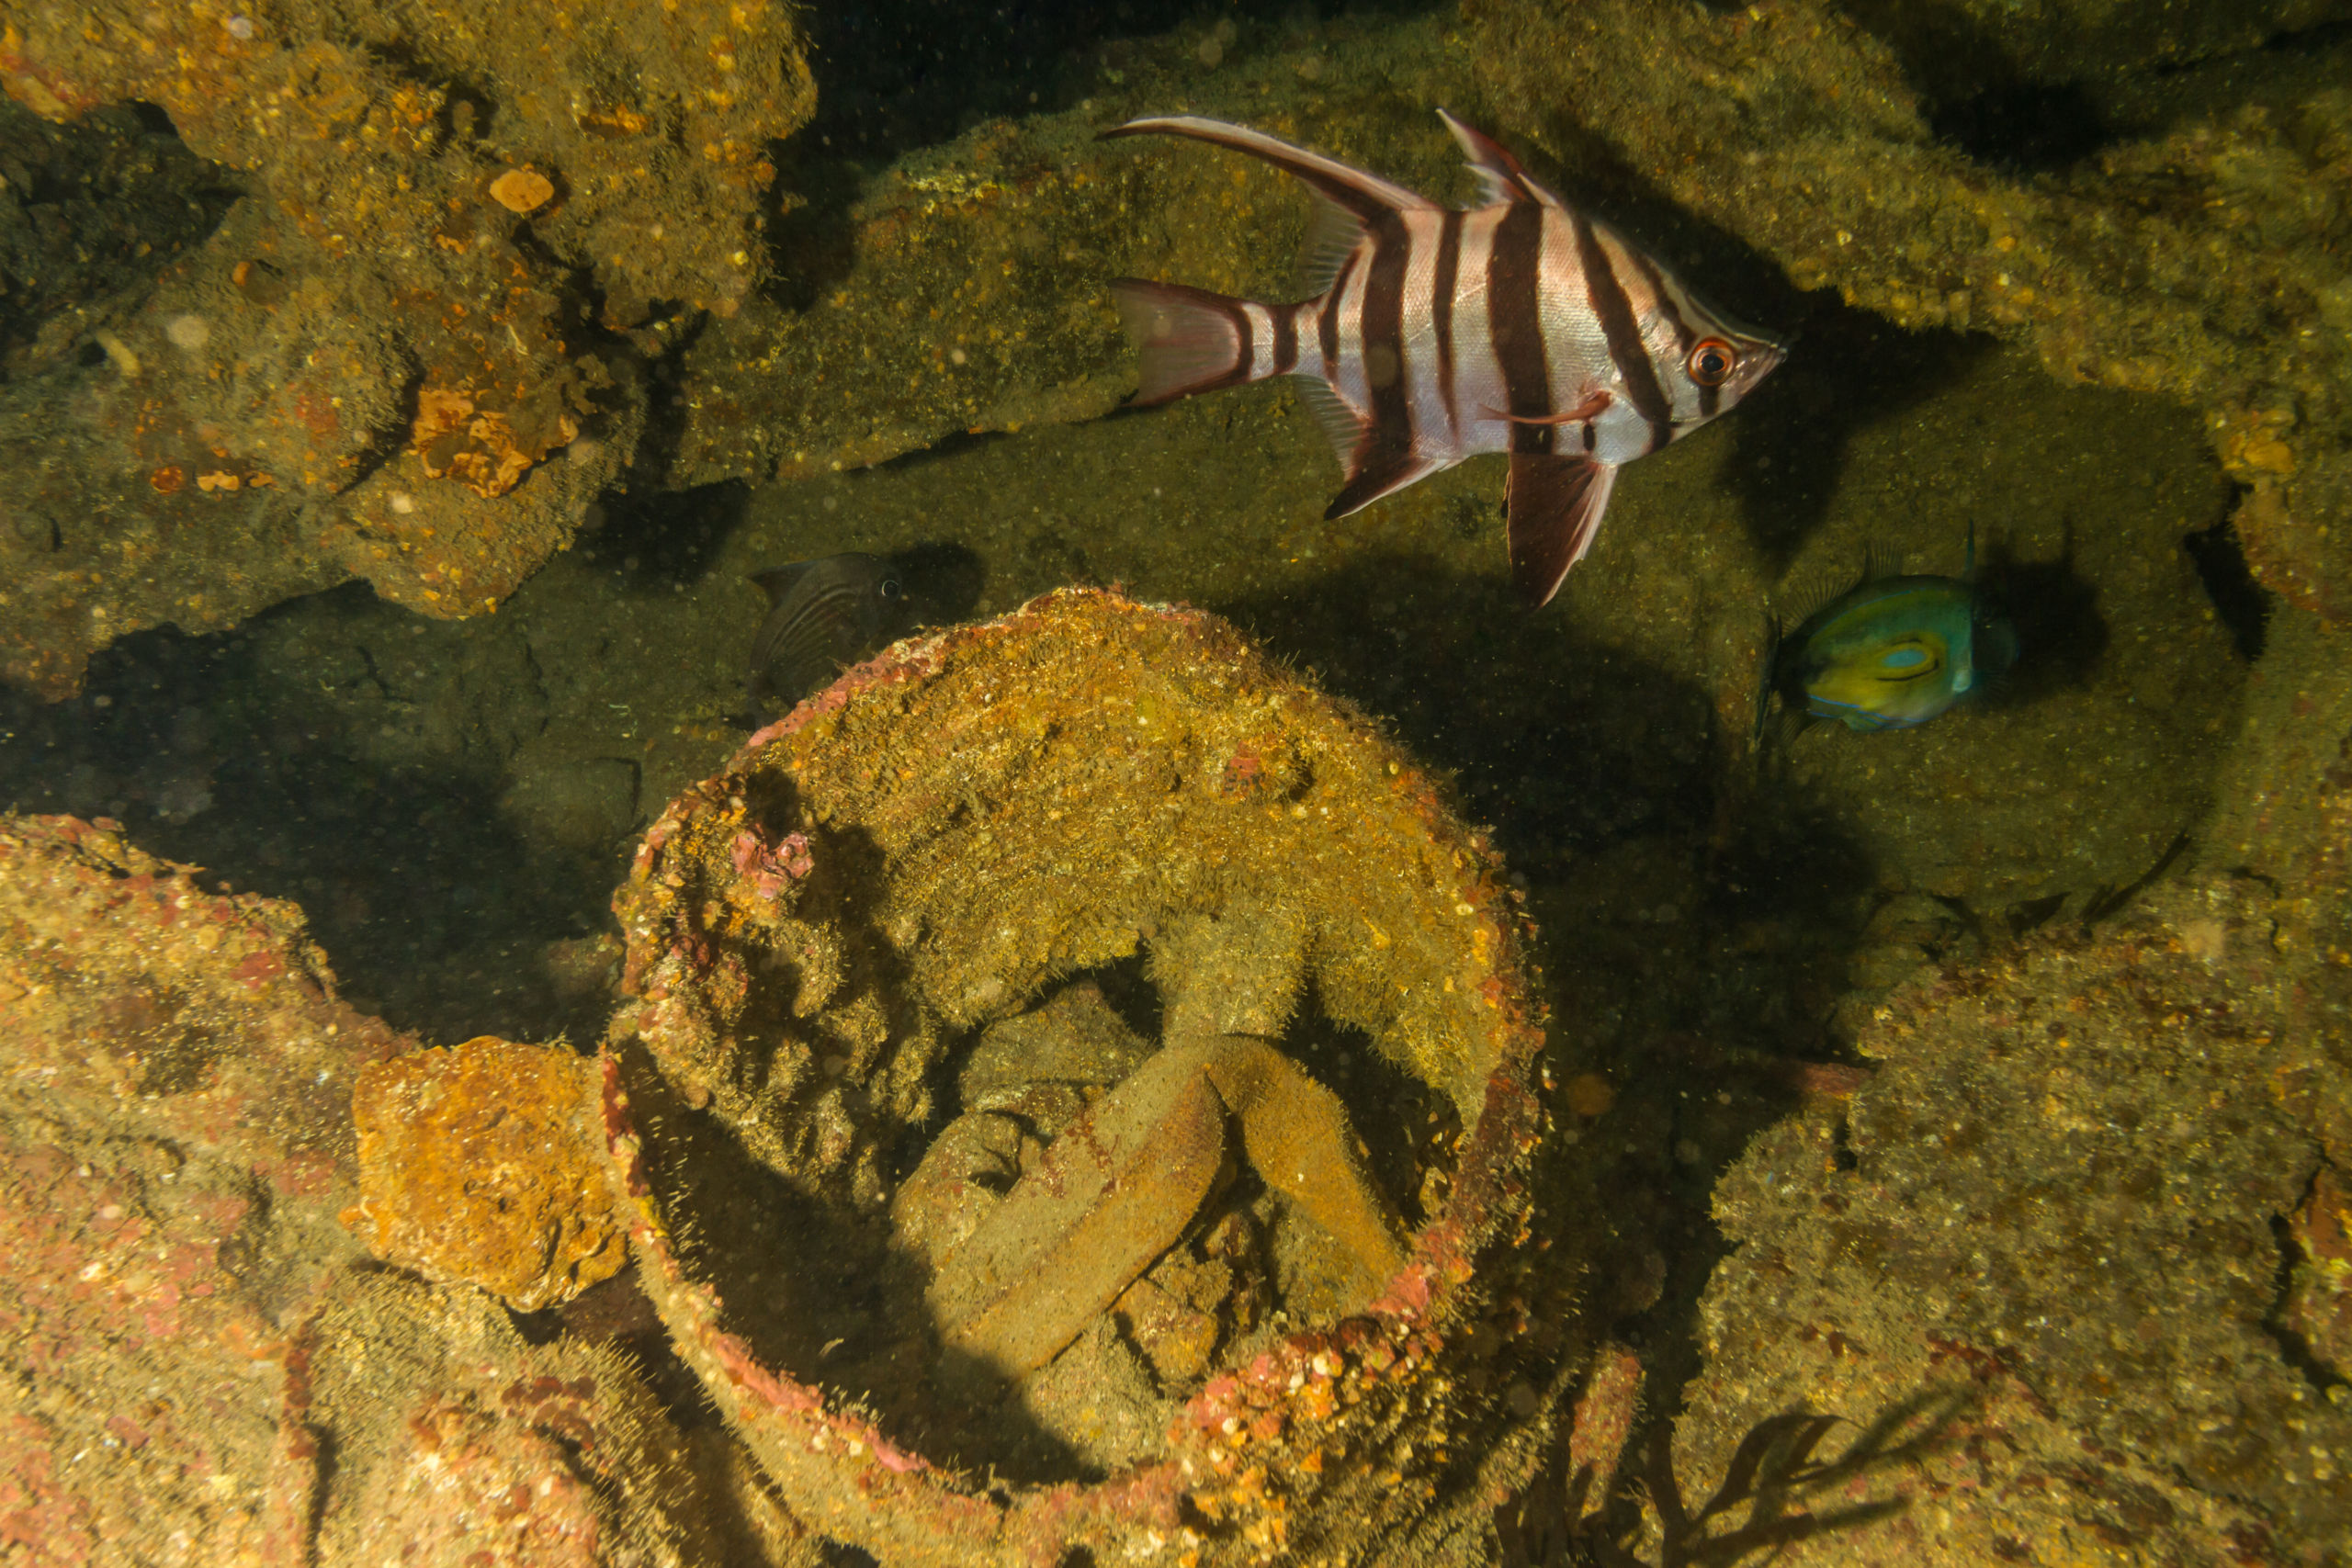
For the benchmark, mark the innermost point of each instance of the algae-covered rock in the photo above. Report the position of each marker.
(2200, 257)
(2084, 768)
(1992, 47)
(449, 1441)
(474, 1164)
(175, 1139)
(2020, 1296)
(366, 369)
(909, 1203)
(205, 1366)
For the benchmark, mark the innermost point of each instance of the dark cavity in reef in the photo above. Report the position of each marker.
(2243, 603)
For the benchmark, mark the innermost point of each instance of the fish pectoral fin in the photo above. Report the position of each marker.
(1765, 668)
(1500, 179)
(1556, 503)
(1592, 407)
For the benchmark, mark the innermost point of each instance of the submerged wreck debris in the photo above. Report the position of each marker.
(1123, 1181)
(439, 275)
(1217, 1297)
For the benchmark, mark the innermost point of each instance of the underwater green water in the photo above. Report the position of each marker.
(451, 803)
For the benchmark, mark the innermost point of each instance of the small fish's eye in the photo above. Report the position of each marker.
(890, 589)
(1711, 361)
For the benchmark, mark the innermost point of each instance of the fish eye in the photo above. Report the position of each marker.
(890, 589)
(1711, 362)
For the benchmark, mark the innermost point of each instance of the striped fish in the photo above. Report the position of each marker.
(823, 616)
(1521, 326)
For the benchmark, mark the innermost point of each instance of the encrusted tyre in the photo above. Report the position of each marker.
(1077, 1098)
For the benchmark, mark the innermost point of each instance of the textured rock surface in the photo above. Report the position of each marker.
(451, 1442)
(2189, 245)
(2032, 1267)
(175, 1139)
(205, 1368)
(477, 1163)
(364, 370)
(2202, 258)
(1990, 46)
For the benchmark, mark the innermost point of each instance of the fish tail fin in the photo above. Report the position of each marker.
(1191, 340)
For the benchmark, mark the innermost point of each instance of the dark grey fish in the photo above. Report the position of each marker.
(823, 616)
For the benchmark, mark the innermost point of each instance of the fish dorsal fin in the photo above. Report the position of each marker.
(1342, 426)
(1500, 179)
(1365, 195)
(1347, 199)
(1332, 234)
(776, 581)
(1819, 588)
(1555, 505)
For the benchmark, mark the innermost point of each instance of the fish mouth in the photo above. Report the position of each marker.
(1759, 357)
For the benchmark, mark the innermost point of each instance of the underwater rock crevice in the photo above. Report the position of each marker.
(91, 215)
(2324, 1376)
(2243, 602)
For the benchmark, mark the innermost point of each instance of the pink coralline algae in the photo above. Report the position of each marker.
(771, 867)
(174, 1074)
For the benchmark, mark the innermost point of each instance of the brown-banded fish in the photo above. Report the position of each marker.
(1520, 326)
(823, 616)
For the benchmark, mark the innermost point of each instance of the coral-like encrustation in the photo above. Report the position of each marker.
(174, 1139)
(477, 1163)
(921, 851)
(364, 370)
(205, 1368)
(457, 1444)
(2031, 1268)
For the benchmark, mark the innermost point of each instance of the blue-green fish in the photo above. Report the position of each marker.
(1889, 653)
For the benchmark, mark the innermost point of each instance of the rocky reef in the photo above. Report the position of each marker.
(2021, 1292)
(208, 1368)
(2155, 206)
(440, 273)
(908, 1186)
(1077, 1089)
